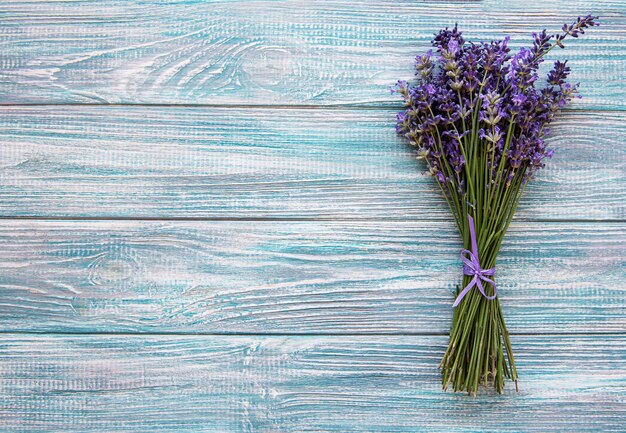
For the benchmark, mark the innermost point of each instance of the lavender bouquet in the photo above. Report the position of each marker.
(478, 119)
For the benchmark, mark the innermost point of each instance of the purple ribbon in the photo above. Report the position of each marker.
(472, 267)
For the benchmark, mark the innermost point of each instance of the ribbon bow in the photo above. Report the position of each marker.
(471, 267)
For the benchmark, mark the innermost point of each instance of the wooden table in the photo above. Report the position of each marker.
(209, 224)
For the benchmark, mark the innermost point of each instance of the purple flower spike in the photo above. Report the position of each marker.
(466, 87)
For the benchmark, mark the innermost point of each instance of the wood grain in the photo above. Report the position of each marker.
(165, 162)
(298, 384)
(298, 277)
(283, 208)
(326, 52)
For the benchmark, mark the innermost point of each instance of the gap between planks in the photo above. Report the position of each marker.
(285, 219)
(305, 334)
(337, 107)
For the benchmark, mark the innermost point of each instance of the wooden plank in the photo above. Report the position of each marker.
(138, 162)
(304, 384)
(325, 52)
(298, 277)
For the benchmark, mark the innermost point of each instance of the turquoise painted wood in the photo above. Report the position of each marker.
(242, 244)
(298, 384)
(290, 52)
(298, 277)
(160, 162)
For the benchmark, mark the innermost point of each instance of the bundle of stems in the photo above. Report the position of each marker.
(478, 119)
(478, 336)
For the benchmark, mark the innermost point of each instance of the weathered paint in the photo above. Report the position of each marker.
(151, 162)
(389, 384)
(298, 277)
(325, 52)
(311, 223)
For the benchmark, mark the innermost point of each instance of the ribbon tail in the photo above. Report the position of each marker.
(472, 229)
(464, 292)
(495, 289)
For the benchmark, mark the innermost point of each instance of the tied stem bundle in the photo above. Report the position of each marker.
(478, 119)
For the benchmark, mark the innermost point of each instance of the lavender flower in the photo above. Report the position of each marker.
(478, 117)
(481, 87)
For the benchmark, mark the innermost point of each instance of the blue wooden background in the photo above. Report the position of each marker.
(207, 223)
